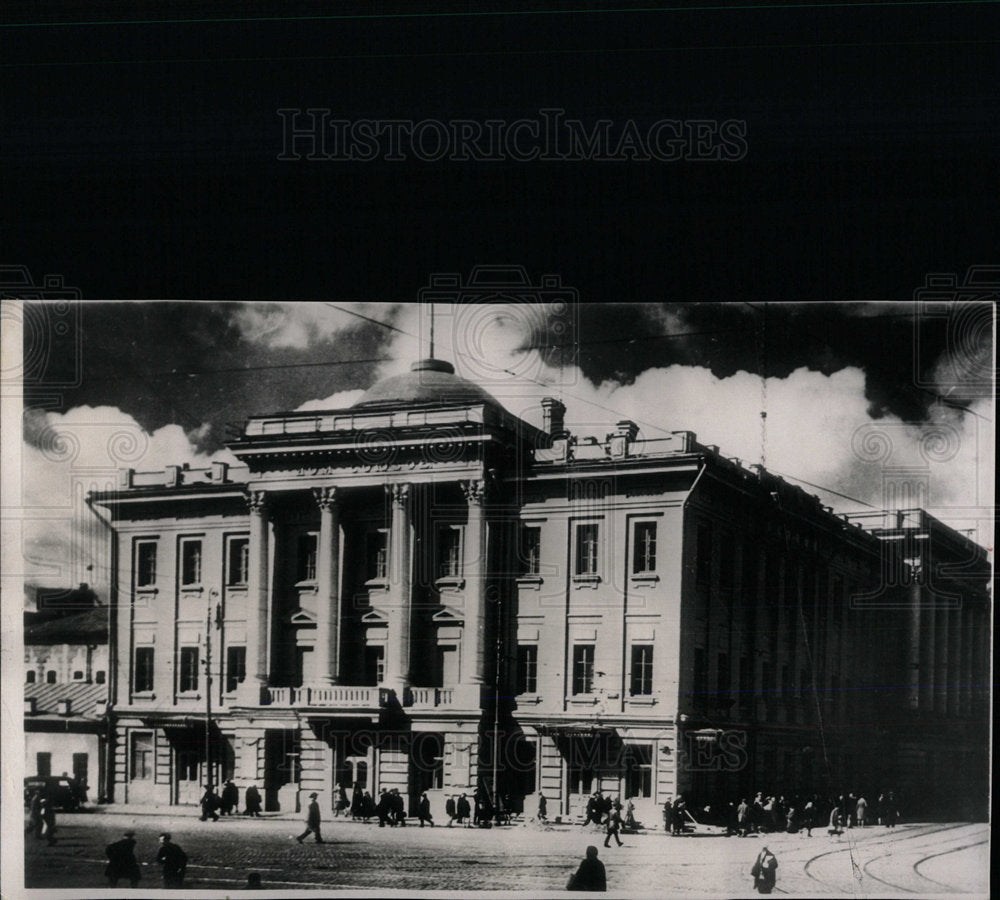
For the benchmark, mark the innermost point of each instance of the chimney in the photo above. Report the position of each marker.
(625, 433)
(553, 413)
(626, 428)
(219, 472)
(29, 706)
(125, 477)
(65, 707)
(172, 476)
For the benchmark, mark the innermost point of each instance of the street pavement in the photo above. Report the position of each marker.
(915, 859)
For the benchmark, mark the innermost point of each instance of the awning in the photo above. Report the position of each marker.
(574, 729)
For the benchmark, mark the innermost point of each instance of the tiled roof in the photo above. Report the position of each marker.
(83, 697)
(87, 627)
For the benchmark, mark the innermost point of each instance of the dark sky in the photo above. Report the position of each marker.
(140, 160)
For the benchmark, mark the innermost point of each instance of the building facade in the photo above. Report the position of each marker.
(425, 592)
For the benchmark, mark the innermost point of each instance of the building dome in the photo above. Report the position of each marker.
(428, 381)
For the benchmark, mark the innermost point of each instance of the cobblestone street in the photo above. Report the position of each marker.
(915, 859)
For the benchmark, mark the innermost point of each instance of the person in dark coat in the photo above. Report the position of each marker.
(209, 804)
(122, 862)
(450, 810)
(891, 810)
(764, 871)
(384, 808)
(230, 799)
(252, 801)
(342, 803)
(593, 811)
(367, 807)
(424, 811)
(49, 820)
(464, 811)
(398, 807)
(668, 816)
(312, 821)
(543, 807)
(35, 824)
(174, 862)
(357, 802)
(613, 826)
(677, 818)
(591, 875)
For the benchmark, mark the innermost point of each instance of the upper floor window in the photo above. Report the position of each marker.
(99, 676)
(143, 674)
(306, 557)
(238, 569)
(145, 564)
(644, 550)
(449, 551)
(236, 667)
(190, 563)
(642, 670)
(586, 548)
(531, 547)
(583, 668)
(703, 555)
(78, 675)
(527, 668)
(377, 555)
(29, 676)
(50, 676)
(187, 679)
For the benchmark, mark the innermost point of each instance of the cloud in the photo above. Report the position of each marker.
(338, 400)
(302, 325)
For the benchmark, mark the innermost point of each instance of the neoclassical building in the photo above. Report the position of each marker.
(425, 592)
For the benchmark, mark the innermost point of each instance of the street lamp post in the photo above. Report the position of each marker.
(212, 595)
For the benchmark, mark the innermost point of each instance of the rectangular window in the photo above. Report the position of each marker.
(374, 665)
(580, 778)
(43, 764)
(190, 563)
(99, 676)
(447, 660)
(586, 548)
(638, 759)
(50, 676)
(238, 572)
(703, 555)
(306, 557)
(700, 687)
(78, 675)
(377, 555)
(81, 765)
(236, 667)
(644, 549)
(583, 668)
(527, 668)
(143, 675)
(531, 549)
(141, 756)
(642, 670)
(723, 681)
(29, 676)
(187, 679)
(449, 552)
(145, 564)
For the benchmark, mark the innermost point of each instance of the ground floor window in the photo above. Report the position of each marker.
(141, 756)
(638, 761)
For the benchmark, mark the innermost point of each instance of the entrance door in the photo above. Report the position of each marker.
(188, 770)
(80, 766)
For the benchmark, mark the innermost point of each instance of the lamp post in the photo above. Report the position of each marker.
(217, 608)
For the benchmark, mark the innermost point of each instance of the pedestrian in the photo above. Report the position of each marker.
(253, 881)
(424, 810)
(678, 814)
(122, 862)
(630, 821)
(464, 811)
(342, 802)
(764, 871)
(230, 799)
(383, 809)
(591, 875)
(35, 823)
(367, 807)
(891, 810)
(612, 827)
(357, 802)
(668, 816)
(398, 807)
(836, 821)
(743, 817)
(312, 821)
(862, 812)
(252, 801)
(174, 862)
(49, 819)
(543, 807)
(450, 810)
(209, 804)
(809, 817)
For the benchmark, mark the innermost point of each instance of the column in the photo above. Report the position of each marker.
(328, 586)
(941, 656)
(965, 692)
(913, 649)
(397, 663)
(474, 568)
(927, 672)
(954, 658)
(257, 597)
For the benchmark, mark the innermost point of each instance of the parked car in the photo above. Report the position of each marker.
(64, 792)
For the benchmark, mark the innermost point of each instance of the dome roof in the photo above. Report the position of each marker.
(428, 381)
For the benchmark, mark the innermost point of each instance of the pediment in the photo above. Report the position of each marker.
(375, 617)
(448, 614)
(302, 617)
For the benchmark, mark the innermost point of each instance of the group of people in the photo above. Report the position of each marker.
(123, 863)
(42, 817)
(602, 810)
(801, 814)
(214, 804)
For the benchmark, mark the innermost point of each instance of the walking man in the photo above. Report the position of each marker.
(613, 826)
(862, 812)
(49, 819)
(591, 875)
(543, 807)
(209, 803)
(764, 871)
(312, 821)
(230, 799)
(424, 810)
(252, 800)
(174, 862)
(743, 817)
(122, 862)
(449, 810)
(464, 810)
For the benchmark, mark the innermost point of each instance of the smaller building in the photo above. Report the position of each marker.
(65, 698)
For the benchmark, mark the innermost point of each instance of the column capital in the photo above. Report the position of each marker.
(398, 493)
(475, 491)
(256, 500)
(326, 496)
